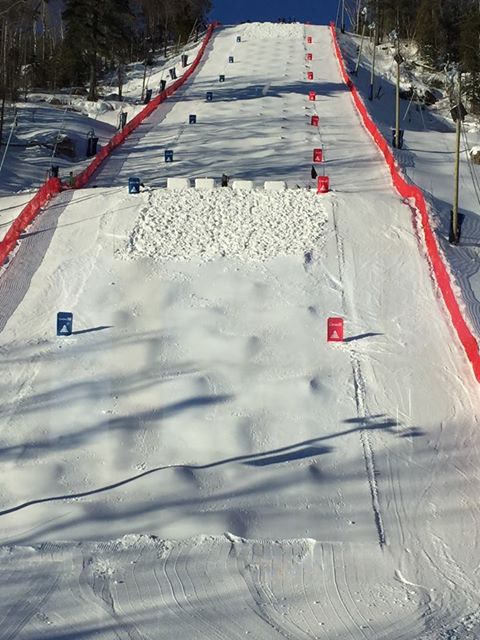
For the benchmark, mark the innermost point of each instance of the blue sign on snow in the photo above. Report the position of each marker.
(209, 96)
(133, 185)
(192, 119)
(168, 155)
(64, 323)
(221, 77)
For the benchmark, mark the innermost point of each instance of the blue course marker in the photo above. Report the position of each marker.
(133, 185)
(209, 96)
(168, 155)
(64, 323)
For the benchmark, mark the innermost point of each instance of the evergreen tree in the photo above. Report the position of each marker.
(95, 29)
(430, 32)
(470, 55)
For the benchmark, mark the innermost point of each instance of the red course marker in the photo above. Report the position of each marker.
(309, 56)
(323, 184)
(335, 330)
(318, 155)
(315, 121)
(309, 39)
(312, 96)
(310, 75)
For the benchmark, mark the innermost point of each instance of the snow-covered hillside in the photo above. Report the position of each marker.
(196, 459)
(44, 120)
(428, 155)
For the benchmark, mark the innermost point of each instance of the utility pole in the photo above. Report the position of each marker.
(458, 113)
(4, 79)
(144, 79)
(2, 113)
(14, 124)
(363, 13)
(358, 14)
(337, 19)
(374, 55)
(397, 141)
(44, 32)
(397, 103)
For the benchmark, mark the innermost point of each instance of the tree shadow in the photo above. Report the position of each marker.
(307, 452)
(92, 329)
(362, 336)
(290, 453)
(128, 422)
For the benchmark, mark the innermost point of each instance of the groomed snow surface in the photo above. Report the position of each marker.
(427, 158)
(43, 116)
(195, 460)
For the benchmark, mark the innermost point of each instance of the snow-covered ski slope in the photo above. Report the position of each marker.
(244, 132)
(427, 158)
(296, 489)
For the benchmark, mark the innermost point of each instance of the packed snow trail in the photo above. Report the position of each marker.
(427, 158)
(198, 396)
(244, 132)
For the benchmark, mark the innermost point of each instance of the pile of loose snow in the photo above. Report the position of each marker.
(251, 225)
(263, 30)
(475, 151)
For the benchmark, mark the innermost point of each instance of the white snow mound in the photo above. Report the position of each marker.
(249, 225)
(264, 30)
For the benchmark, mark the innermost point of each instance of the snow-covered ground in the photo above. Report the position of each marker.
(196, 460)
(44, 116)
(252, 117)
(428, 156)
(207, 225)
(31, 155)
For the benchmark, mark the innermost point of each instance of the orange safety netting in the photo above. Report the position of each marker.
(54, 186)
(411, 192)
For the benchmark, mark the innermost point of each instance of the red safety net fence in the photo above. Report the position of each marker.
(54, 186)
(82, 179)
(413, 193)
(47, 191)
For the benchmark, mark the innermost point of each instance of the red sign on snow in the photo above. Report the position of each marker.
(315, 121)
(318, 155)
(309, 75)
(323, 185)
(309, 56)
(312, 96)
(335, 330)
(309, 39)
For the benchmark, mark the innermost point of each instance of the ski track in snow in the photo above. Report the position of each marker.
(360, 393)
(198, 395)
(368, 452)
(142, 587)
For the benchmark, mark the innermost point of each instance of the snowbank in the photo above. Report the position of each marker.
(475, 154)
(250, 225)
(271, 30)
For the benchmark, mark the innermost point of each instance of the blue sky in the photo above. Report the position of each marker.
(232, 11)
